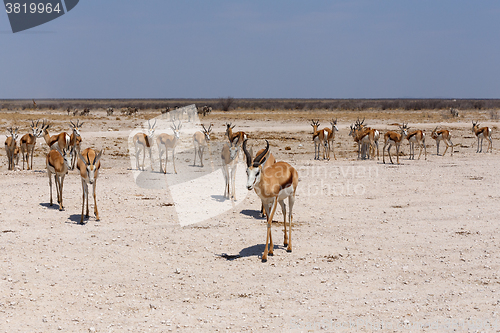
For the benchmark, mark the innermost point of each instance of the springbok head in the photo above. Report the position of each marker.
(37, 131)
(475, 124)
(176, 129)
(254, 168)
(76, 127)
(315, 124)
(404, 129)
(207, 132)
(151, 130)
(91, 166)
(334, 125)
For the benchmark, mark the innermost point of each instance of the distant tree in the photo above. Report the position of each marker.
(225, 103)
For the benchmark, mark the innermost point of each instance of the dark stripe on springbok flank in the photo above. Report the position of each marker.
(146, 138)
(51, 165)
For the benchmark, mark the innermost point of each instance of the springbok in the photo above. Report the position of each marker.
(58, 162)
(88, 164)
(442, 135)
(330, 137)
(75, 141)
(10, 146)
(143, 141)
(241, 136)
(270, 161)
(394, 138)
(416, 137)
(318, 139)
(200, 141)
(165, 142)
(482, 133)
(28, 142)
(273, 185)
(229, 157)
(61, 140)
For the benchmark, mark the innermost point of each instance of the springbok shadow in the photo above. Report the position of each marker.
(75, 219)
(47, 205)
(252, 251)
(252, 213)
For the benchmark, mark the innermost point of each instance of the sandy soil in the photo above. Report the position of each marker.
(395, 248)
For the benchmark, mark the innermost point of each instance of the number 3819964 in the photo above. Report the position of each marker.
(32, 8)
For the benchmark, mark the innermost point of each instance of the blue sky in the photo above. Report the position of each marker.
(257, 49)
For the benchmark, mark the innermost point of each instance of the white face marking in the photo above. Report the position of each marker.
(253, 174)
(233, 152)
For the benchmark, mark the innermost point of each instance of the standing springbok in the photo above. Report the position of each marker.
(318, 139)
(75, 141)
(28, 142)
(482, 133)
(329, 138)
(394, 138)
(143, 141)
(60, 140)
(58, 162)
(10, 146)
(229, 157)
(273, 185)
(241, 136)
(200, 142)
(442, 135)
(88, 164)
(416, 137)
(165, 142)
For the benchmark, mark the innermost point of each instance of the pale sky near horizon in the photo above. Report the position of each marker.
(257, 49)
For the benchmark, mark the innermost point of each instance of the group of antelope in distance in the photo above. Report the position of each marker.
(62, 157)
(367, 139)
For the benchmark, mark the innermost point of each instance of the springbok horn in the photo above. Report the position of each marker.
(247, 154)
(258, 160)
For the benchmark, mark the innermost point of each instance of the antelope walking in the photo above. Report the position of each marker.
(10, 146)
(273, 185)
(416, 137)
(75, 141)
(58, 162)
(200, 141)
(88, 164)
(28, 142)
(143, 141)
(482, 133)
(442, 135)
(165, 142)
(394, 138)
(229, 157)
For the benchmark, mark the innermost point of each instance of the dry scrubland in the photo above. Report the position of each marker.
(375, 246)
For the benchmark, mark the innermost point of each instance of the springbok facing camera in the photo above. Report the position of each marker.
(89, 164)
(273, 185)
(200, 142)
(229, 157)
(10, 146)
(143, 141)
(329, 138)
(75, 141)
(28, 142)
(482, 133)
(165, 142)
(442, 135)
(58, 162)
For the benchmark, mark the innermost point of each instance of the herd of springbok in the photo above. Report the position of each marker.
(273, 181)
